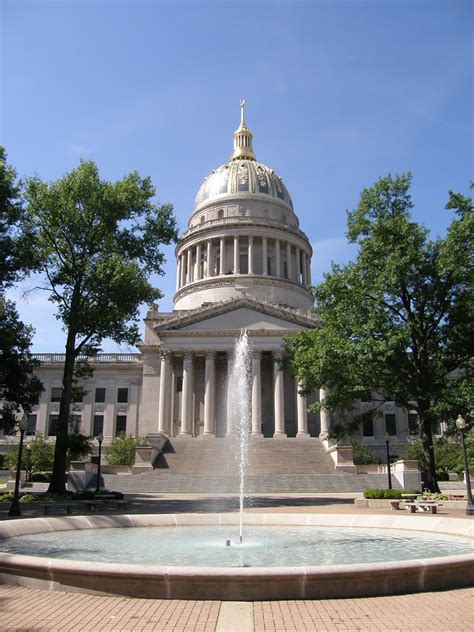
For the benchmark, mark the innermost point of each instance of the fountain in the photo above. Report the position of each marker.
(238, 395)
(283, 556)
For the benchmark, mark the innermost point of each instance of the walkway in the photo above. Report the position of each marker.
(43, 611)
(37, 610)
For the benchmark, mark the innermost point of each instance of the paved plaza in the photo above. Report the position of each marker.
(37, 610)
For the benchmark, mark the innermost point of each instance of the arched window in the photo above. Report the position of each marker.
(203, 218)
(220, 213)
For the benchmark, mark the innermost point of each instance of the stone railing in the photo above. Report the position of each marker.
(101, 357)
(244, 219)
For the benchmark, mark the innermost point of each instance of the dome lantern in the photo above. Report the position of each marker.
(243, 139)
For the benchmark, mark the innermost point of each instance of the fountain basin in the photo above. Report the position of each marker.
(229, 583)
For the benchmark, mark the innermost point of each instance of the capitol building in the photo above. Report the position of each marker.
(244, 263)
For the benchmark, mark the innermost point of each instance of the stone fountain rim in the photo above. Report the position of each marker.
(253, 583)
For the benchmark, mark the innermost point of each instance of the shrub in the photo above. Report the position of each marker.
(6, 498)
(448, 456)
(122, 450)
(387, 493)
(41, 456)
(40, 477)
(362, 455)
(28, 498)
(78, 446)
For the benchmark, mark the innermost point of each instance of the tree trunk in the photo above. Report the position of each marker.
(58, 477)
(426, 435)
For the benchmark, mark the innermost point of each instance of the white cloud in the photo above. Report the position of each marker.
(326, 251)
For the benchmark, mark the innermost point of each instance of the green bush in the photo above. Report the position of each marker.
(78, 446)
(40, 477)
(41, 456)
(122, 450)
(363, 455)
(6, 498)
(387, 493)
(448, 455)
(28, 498)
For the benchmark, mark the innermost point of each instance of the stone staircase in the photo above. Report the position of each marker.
(290, 465)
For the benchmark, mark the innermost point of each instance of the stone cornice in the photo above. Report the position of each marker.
(216, 309)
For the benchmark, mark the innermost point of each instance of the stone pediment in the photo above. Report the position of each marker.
(237, 314)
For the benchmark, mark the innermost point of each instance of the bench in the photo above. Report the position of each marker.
(395, 504)
(423, 506)
(52, 507)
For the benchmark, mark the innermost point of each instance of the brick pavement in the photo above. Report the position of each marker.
(54, 611)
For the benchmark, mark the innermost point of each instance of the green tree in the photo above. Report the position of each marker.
(19, 388)
(41, 456)
(398, 320)
(98, 242)
(121, 451)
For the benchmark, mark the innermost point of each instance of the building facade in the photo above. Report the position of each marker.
(243, 264)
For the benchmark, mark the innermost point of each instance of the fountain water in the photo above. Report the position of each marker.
(239, 398)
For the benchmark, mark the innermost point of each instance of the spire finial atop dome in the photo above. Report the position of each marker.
(243, 139)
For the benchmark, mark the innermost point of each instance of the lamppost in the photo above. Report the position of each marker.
(389, 474)
(15, 506)
(100, 438)
(28, 462)
(462, 426)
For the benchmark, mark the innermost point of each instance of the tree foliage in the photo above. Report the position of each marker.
(397, 321)
(41, 456)
(97, 242)
(19, 388)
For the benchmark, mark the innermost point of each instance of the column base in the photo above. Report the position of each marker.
(256, 433)
(186, 433)
(208, 435)
(303, 435)
(279, 434)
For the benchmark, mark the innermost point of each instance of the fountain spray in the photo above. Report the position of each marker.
(239, 392)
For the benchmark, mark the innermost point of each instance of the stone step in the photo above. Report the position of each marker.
(221, 456)
(164, 482)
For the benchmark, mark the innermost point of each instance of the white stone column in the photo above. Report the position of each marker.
(222, 256)
(298, 264)
(178, 272)
(163, 404)
(190, 266)
(264, 255)
(308, 270)
(230, 398)
(277, 258)
(173, 394)
(279, 395)
(250, 255)
(236, 255)
(324, 416)
(304, 267)
(209, 393)
(301, 411)
(183, 269)
(187, 394)
(209, 259)
(256, 393)
(198, 275)
(288, 261)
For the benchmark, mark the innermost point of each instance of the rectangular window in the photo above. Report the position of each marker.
(121, 425)
(179, 383)
(412, 422)
(53, 425)
(74, 424)
(31, 428)
(122, 395)
(390, 424)
(98, 425)
(368, 428)
(56, 394)
(99, 396)
(244, 264)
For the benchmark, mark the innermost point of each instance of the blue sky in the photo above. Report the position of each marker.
(338, 94)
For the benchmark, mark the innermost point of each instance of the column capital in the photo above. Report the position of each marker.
(165, 354)
(278, 356)
(210, 354)
(188, 355)
(256, 354)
